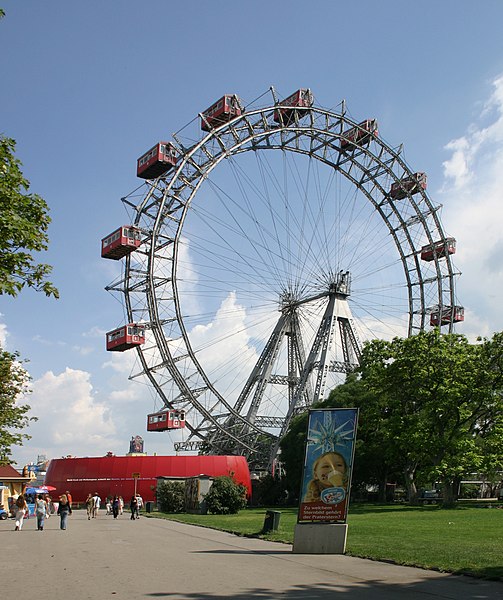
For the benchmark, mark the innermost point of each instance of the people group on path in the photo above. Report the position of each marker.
(44, 507)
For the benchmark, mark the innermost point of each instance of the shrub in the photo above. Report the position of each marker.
(226, 497)
(272, 491)
(171, 496)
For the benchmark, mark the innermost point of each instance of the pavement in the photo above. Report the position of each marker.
(152, 558)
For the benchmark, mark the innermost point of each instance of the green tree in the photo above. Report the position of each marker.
(292, 448)
(226, 497)
(431, 409)
(14, 382)
(24, 222)
(171, 496)
(374, 461)
(442, 397)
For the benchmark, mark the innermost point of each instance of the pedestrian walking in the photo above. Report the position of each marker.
(89, 506)
(49, 508)
(121, 505)
(21, 509)
(115, 507)
(133, 505)
(97, 504)
(40, 512)
(64, 509)
(139, 501)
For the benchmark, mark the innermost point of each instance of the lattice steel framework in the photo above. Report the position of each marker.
(160, 288)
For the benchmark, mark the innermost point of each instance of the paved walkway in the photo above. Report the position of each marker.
(151, 558)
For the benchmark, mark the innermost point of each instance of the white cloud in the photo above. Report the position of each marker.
(70, 419)
(45, 342)
(225, 345)
(473, 212)
(127, 395)
(3, 334)
(456, 168)
(95, 332)
(83, 350)
(122, 362)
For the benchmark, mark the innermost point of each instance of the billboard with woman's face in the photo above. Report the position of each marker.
(328, 465)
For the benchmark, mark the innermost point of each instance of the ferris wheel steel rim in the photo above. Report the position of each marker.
(169, 199)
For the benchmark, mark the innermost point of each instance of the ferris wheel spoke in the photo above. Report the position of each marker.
(270, 241)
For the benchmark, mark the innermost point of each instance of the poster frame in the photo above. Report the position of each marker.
(330, 431)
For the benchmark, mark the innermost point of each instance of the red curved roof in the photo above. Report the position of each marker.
(113, 475)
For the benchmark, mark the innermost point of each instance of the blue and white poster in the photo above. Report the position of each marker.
(328, 465)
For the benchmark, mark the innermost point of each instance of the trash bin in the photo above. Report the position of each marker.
(149, 507)
(271, 521)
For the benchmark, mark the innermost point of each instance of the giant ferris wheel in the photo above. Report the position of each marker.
(266, 244)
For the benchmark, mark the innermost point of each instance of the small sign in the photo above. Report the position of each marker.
(135, 476)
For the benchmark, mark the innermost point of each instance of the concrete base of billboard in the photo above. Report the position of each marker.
(320, 538)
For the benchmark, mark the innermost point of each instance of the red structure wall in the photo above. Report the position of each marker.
(113, 475)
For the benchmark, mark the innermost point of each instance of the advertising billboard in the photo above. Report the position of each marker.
(328, 465)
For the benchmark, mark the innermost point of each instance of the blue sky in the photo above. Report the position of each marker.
(87, 87)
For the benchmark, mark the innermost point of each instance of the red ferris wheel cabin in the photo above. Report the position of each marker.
(121, 242)
(125, 337)
(222, 111)
(165, 420)
(158, 160)
(409, 185)
(454, 314)
(361, 134)
(302, 98)
(438, 249)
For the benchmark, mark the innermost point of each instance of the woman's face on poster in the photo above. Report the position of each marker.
(330, 469)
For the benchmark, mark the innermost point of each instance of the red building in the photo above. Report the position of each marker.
(115, 475)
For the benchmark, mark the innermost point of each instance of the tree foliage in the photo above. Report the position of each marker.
(442, 400)
(14, 382)
(431, 409)
(24, 221)
(171, 496)
(226, 497)
(272, 490)
(371, 465)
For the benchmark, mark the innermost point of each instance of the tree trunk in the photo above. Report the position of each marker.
(382, 488)
(409, 473)
(451, 490)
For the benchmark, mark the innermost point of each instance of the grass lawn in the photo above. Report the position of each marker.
(460, 540)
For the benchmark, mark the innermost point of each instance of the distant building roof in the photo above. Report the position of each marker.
(10, 473)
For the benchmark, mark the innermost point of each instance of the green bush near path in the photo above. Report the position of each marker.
(460, 540)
